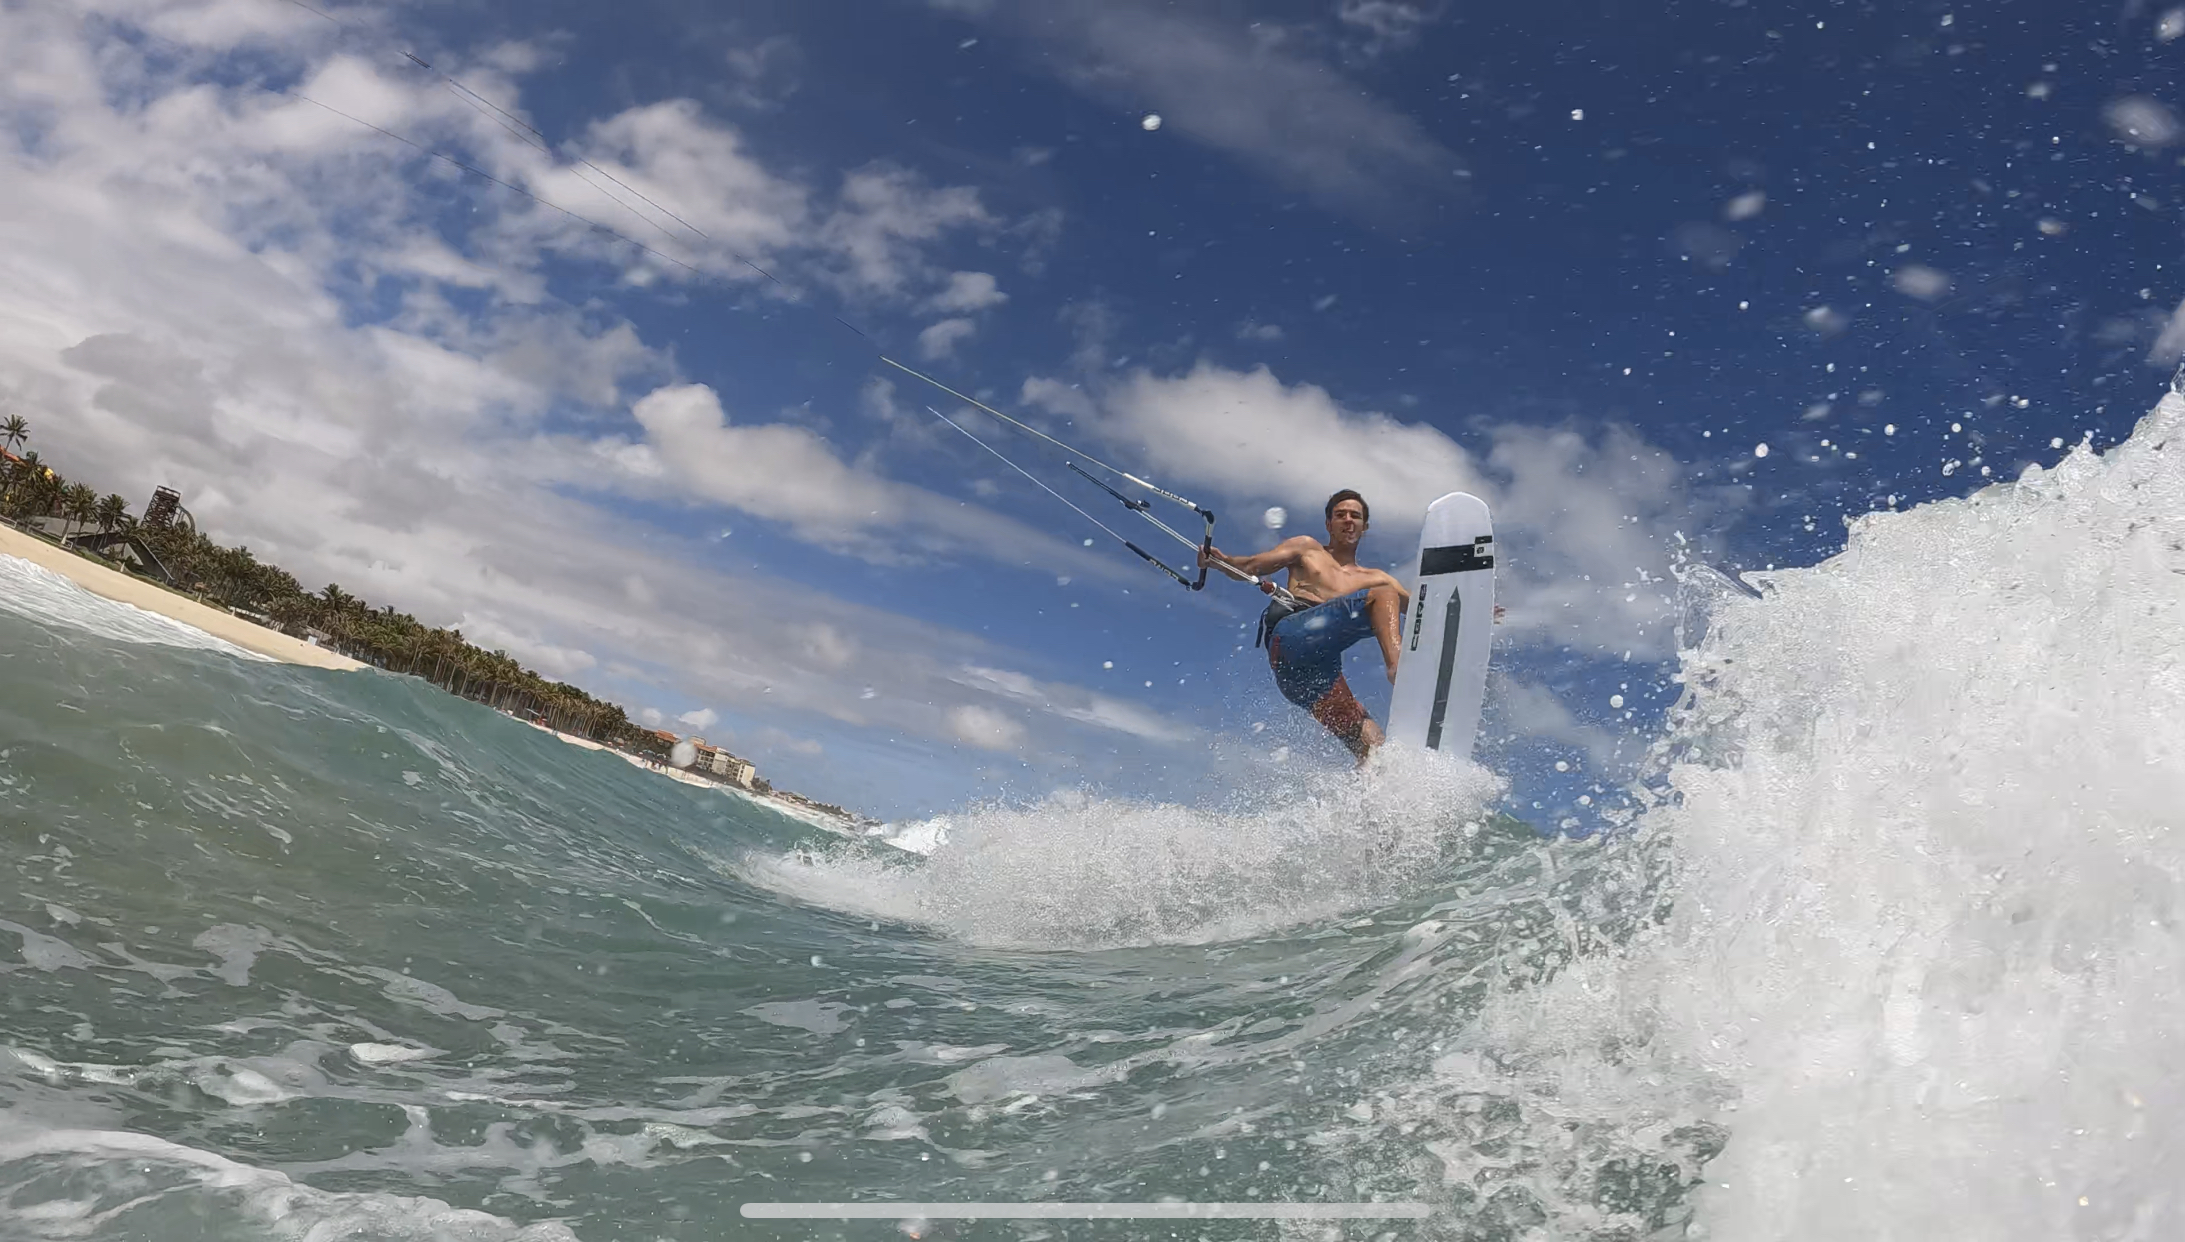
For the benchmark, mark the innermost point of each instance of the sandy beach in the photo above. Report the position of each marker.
(120, 587)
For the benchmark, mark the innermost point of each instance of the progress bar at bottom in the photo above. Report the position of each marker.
(1168, 1210)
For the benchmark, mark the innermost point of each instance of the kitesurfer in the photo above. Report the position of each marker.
(1332, 602)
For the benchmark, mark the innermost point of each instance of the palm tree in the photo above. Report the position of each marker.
(113, 515)
(37, 487)
(24, 477)
(13, 431)
(78, 504)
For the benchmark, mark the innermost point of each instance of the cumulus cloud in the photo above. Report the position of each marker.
(1251, 331)
(968, 291)
(940, 340)
(792, 475)
(1581, 518)
(1248, 433)
(553, 659)
(702, 718)
(180, 253)
(883, 217)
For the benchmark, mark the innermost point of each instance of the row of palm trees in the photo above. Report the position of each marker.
(30, 488)
(237, 580)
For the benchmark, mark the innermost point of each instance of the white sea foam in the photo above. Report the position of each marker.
(1924, 961)
(94, 1181)
(33, 591)
(1081, 872)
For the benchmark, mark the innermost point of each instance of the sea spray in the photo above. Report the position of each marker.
(1891, 953)
(1072, 871)
(1921, 971)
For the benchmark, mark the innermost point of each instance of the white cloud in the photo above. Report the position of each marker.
(1219, 82)
(1389, 24)
(785, 473)
(777, 740)
(177, 255)
(1250, 331)
(1534, 712)
(556, 661)
(790, 474)
(1079, 704)
(968, 291)
(940, 339)
(883, 217)
(1248, 433)
(765, 73)
(829, 648)
(702, 718)
(985, 728)
(673, 154)
(1578, 518)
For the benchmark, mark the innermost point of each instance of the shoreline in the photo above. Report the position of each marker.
(122, 589)
(817, 819)
(109, 583)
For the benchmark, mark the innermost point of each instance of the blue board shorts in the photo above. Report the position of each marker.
(1306, 647)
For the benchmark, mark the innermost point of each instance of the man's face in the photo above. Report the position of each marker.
(1347, 522)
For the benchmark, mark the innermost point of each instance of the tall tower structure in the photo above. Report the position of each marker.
(159, 514)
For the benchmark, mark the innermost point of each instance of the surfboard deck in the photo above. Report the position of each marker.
(1441, 669)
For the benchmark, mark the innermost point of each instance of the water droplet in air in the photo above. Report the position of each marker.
(1275, 517)
(1151, 123)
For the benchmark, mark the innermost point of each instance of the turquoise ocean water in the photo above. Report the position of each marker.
(1893, 949)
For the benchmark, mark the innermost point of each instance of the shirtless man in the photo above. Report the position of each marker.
(1335, 602)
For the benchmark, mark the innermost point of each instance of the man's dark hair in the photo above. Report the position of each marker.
(1340, 497)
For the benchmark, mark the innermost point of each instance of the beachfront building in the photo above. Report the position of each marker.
(719, 763)
(122, 547)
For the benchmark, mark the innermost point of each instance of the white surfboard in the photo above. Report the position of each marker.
(1441, 670)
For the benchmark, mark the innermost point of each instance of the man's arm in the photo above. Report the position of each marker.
(1403, 593)
(1284, 555)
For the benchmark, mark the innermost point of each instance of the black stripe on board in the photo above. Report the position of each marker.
(1443, 676)
(1456, 558)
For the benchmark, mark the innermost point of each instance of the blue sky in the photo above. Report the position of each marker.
(1582, 259)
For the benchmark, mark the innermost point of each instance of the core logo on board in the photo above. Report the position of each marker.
(1418, 616)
